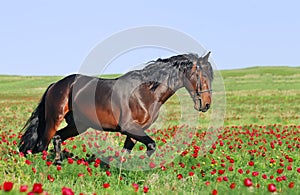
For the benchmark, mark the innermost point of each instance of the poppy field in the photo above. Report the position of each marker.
(255, 152)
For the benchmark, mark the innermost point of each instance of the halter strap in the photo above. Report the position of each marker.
(199, 85)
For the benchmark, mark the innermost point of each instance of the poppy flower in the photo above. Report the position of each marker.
(135, 186)
(28, 162)
(214, 192)
(37, 188)
(279, 171)
(67, 191)
(23, 188)
(58, 167)
(240, 171)
(264, 176)
(106, 185)
(179, 176)
(70, 160)
(251, 163)
(152, 165)
(7, 186)
(145, 189)
(291, 184)
(232, 185)
(50, 178)
(108, 173)
(255, 173)
(272, 188)
(247, 182)
(48, 163)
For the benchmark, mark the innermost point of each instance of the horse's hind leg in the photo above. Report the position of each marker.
(50, 130)
(56, 107)
(57, 148)
(71, 130)
(60, 136)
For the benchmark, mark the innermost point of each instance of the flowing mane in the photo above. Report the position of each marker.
(157, 71)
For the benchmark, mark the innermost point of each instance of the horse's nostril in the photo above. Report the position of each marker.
(207, 106)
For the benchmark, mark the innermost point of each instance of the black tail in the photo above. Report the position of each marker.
(34, 128)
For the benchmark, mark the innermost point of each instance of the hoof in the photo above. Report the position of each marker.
(150, 152)
(126, 151)
(57, 162)
(150, 149)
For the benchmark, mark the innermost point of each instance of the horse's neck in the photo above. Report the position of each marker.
(164, 91)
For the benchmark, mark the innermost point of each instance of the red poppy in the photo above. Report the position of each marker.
(247, 182)
(240, 171)
(179, 176)
(58, 167)
(7, 186)
(33, 169)
(108, 173)
(272, 188)
(221, 172)
(264, 176)
(232, 186)
(48, 163)
(135, 186)
(145, 189)
(251, 163)
(70, 160)
(106, 185)
(291, 184)
(255, 173)
(214, 192)
(279, 171)
(67, 191)
(37, 188)
(23, 188)
(28, 162)
(51, 179)
(152, 165)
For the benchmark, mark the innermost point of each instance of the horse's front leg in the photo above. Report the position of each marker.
(129, 144)
(145, 139)
(57, 149)
(151, 147)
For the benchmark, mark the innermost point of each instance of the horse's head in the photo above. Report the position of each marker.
(198, 82)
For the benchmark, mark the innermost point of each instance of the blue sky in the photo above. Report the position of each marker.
(54, 37)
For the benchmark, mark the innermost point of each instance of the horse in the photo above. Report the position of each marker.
(128, 104)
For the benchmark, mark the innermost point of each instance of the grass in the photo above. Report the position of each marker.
(267, 94)
(261, 125)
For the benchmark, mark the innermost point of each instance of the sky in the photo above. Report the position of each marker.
(55, 37)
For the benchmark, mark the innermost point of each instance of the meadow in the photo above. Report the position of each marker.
(256, 151)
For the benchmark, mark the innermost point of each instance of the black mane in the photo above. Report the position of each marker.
(159, 70)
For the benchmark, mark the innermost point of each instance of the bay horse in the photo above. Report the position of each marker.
(128, 104)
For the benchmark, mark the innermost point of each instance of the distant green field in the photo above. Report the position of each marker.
(259, 141)
(262, 95)
(253, 95)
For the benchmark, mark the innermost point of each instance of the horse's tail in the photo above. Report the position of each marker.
(34, 128)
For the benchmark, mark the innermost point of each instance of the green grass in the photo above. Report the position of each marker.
(262, 108)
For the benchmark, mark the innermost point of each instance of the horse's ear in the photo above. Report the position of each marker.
(205, 58)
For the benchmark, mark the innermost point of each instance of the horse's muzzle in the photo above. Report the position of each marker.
(198, 105)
